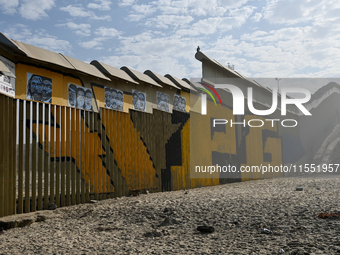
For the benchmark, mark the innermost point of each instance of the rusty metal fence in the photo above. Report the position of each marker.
(54, 154)
(67, 156)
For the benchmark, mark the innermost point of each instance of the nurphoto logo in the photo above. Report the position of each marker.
(238, 100)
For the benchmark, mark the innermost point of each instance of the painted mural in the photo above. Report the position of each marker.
(139, 100)
(39, 88)
(79, 97)
(163, 101)
(179, 103)
(114, 99)
(7, 82)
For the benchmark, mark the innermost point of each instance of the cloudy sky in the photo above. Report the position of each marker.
(274, 38)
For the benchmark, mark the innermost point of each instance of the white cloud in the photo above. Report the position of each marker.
(9, 7)
(107, 32)
(126, 2)
(79, 11)
(18, 32)
(35, 9)
(94, 43)
(104, 5)
(257, 16)
(163, 21)
(212, 25)
(143, 9)
(80, 29)
(134, 17)
(292, 12)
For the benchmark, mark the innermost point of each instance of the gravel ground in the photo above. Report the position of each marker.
(166, 223)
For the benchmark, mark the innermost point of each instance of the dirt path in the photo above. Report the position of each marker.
(165, 223)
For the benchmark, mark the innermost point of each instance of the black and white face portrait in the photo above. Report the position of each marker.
(79, 97)
(139, 100)
(163, 102)
(114, 99)
(108, 97)
(72, 95)
(39, 88)
(180, 103)
(88, 100)
(46, 91)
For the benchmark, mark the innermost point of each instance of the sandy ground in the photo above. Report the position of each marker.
(165, 223)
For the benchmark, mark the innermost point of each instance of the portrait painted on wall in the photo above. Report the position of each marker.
(163, 102)
(179, 103)
(39, 88)
(7, 80)
(114, 99)
(79, 97)
(139, 100)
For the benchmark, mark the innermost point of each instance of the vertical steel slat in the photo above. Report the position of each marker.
(103, 159)
(108, 152)
(78, 162)
(12, 156)
(6, 153)
(27, 157)
(8, 170)
(21, 127)
(74, 156)
(40, 151)
(100, 159)
(83, 156)
(91, 161)
(87, 154)
(2, 169)
(46, 163)
(118, 154)
(120, 151)
(118, 177)
(96, 175)
(52, 141)
(34, 159)
(107, 159)
(68, 133)
(49, 158)
(63, 153)
(103, 169)
(121, 148)
(112, 154)
(57, 152)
